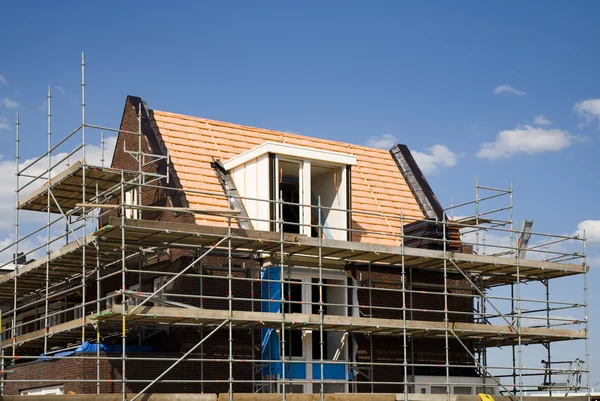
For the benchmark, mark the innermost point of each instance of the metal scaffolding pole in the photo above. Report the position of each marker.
(586, 325)
(123, 296)
(282, 298)
(83, 200)
(230, 303)
(321, 304)
(404, 335)
(153, 382)
(48, 201)
(16, 258)
(446, 320)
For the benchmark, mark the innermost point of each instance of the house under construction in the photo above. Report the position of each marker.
(218, 259)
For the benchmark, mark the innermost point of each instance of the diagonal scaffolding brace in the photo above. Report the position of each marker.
(180, 359)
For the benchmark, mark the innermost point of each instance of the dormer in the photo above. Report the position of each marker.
(300, 177)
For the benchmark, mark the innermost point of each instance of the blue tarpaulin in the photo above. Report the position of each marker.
(87, 347)
(271, 302)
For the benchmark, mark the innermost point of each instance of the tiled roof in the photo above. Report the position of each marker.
(377, 184)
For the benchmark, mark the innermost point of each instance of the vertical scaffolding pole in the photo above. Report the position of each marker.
(16, 255)
(230, 300)
(48, 201)
(98, 296)
(1, 370)
(404, 341)
(546, 284)
(519, 308)
(102, 148)
(372, 353)
(321, 309)
(585, 312)
(83, 200)
(446, 321)
(140, 156)
(98, 308)
(123, 298)
(477, 215)
(282, 296)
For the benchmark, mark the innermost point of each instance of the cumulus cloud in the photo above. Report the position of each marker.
(433, 158)
(7, 171)
(385, 141)
(541, 120)
(508, 89)
(525, 139)
(588, 109)
(3, 80)
(4, 123)
(9, 103)
(591, 228)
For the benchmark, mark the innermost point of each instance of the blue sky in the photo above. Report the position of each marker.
(444, 78)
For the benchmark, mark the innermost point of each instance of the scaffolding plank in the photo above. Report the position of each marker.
(67, 187)
(492, 335)
(299, 248)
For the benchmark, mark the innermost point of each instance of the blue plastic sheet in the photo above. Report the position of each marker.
(271, 302)
(87, 347)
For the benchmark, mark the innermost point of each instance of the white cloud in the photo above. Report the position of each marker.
(541, 120)
(508, 89)
(4, 123)
(591, 228)
(385, 141)
(9, 103)
(525, 139)
(7, 171)
(435, 157)
(588, 109)
(3, 80)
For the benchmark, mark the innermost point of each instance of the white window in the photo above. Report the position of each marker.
(302, 294)
(301, 176)
(131, 198)
(51, 390)
(302, 185)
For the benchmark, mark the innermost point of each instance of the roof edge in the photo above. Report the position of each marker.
(431, 207)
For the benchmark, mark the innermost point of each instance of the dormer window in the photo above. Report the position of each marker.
(299, 176)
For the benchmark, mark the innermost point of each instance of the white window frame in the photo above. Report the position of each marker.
(305, 188)
(305, 279)
(131, 198)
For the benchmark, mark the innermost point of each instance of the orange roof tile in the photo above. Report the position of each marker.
(377, 184)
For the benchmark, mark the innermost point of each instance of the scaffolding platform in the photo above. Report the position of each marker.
(299, 249)
(64, 263)
(67, 188)
(487, 334)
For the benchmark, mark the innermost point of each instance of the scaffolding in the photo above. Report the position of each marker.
(60, 294)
